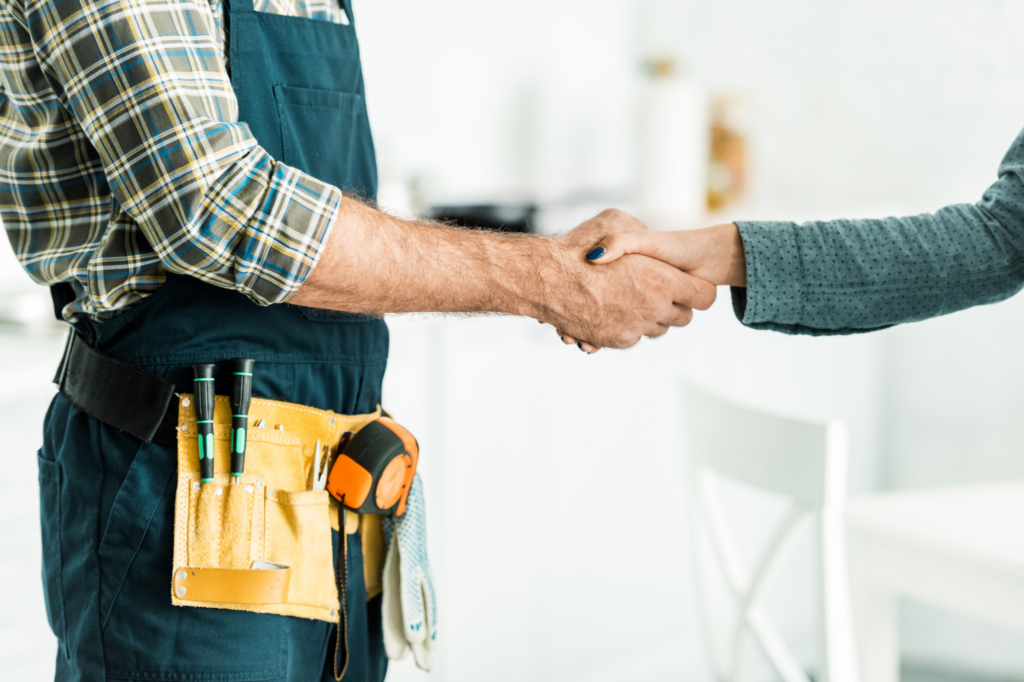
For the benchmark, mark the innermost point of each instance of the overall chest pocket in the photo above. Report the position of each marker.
(327, 134)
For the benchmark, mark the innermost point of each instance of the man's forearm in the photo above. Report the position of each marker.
(375, 263)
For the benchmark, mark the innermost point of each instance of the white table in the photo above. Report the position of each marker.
(961, 549)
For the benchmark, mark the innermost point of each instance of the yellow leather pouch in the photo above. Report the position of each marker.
(262, 542)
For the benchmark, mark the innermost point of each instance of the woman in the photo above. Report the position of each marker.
(853, 276)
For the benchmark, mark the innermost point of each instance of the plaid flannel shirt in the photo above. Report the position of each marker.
(122, 158)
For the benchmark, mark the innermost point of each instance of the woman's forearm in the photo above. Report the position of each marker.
(849, 276)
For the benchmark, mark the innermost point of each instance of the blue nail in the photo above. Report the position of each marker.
(596, 253)
(580, 346)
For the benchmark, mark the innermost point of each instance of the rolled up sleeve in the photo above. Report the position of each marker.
(147, 83)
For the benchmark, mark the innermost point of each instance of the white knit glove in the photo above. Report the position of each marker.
(409, 603)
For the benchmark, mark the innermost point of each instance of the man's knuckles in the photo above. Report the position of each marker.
(619, 218)
(626, 341)
(656, 331)
(611, 214)
(680, 317)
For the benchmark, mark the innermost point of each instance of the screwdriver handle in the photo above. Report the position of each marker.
(241, 395)
(204, 397)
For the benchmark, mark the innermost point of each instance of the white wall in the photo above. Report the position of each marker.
(486, 99)
(857, 108)
(902, 103)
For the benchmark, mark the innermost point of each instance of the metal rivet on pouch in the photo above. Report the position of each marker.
(332, 424)
(181, 591)
(248, 488)
(184, 427)
(262, 424)
(280, 427)
(259, 484)
(332, 613)
(195, 486)
(270, 491)
(182, 575)
(185, 402)
(220, 491)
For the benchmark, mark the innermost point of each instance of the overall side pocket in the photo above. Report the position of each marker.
(50, 483)
(137, 500)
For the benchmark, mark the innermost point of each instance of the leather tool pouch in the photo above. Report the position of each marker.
(262, 542)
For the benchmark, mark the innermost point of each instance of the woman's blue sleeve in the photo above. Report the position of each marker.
(852, 276)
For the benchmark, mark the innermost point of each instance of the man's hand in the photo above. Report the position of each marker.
(634, 297)
(375, 263)
(714, 254)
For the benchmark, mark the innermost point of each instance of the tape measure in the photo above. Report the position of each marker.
(373, 472)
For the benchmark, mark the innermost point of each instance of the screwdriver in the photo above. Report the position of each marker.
(204, 395)
(241, 395)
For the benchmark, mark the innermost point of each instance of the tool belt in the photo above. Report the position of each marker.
(261, 542)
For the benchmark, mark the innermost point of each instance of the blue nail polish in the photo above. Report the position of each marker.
(580, 346)
(595, 253)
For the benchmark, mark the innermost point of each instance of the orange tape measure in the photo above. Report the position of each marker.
(373, 472)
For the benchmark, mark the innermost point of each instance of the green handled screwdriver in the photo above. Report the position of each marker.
(204, 396)
(241, 395)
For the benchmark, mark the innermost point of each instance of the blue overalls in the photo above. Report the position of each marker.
(107, 500)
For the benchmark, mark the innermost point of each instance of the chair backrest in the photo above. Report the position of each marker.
(801, 460)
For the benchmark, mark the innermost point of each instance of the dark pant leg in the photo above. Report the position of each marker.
(70, 488)
(107, 507)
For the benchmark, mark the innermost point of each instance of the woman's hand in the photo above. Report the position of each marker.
(714, 254)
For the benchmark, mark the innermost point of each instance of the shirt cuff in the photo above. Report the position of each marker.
(283, 239)
(776, 296)
(774, 274)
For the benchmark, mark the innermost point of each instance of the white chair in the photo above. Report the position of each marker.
(803, 461)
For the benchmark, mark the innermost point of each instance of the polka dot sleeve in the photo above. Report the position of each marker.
(852, 276)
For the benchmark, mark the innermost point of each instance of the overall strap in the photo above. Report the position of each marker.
(237, 6)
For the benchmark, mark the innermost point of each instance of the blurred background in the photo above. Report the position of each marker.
(538, 114)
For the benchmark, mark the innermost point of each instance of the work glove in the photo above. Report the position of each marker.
(409, 602)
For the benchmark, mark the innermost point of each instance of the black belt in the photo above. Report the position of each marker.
(115, 393)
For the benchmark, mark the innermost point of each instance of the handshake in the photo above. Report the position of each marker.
(624, 282)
